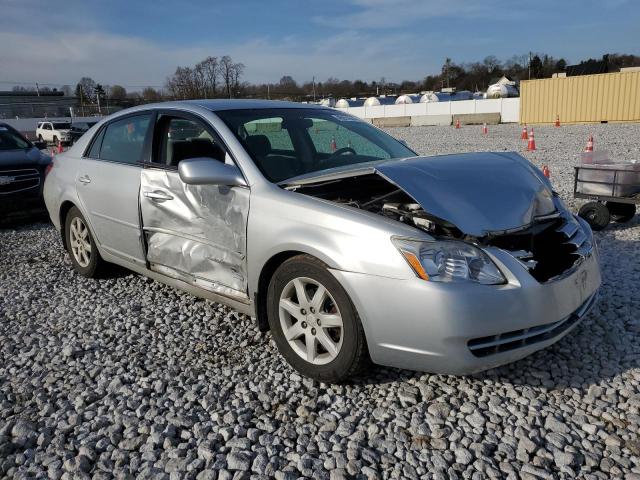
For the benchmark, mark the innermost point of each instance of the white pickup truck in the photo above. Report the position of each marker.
(54, 132)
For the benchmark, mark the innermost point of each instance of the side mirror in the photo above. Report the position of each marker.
(207, 171)
(40, 145)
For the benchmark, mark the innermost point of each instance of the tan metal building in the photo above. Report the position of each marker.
(607, 97)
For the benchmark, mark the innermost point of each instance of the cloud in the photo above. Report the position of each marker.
(390, 14)
(63, 58)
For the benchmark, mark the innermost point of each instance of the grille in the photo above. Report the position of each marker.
(504, 342)
(12, 181)
(550, 249)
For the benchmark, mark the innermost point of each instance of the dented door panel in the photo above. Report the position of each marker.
(196, 233)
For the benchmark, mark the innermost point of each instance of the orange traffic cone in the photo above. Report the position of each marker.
(589, 147)
(524, 135)
(531, 146)
(333, 144)
(557, 124)
(485, 130)
(60, 150)
(457, 123)
(546, 172)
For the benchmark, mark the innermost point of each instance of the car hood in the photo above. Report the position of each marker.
(22, 158)
(479, 193)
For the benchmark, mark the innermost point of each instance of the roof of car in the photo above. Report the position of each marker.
(235, 104)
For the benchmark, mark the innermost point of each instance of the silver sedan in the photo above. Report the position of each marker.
(330, 233)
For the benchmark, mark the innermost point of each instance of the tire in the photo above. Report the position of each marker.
(84, 255)
(595, 214)
(621, 212)
(40, 138)
(347, 352)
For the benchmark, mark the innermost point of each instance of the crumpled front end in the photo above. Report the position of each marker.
(497, 203)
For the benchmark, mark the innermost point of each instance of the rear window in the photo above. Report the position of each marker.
(124, 139)
(61, 126)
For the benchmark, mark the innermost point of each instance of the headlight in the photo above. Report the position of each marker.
(449, 261)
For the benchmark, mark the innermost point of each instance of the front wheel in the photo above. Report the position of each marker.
(84, 255)
(313, 322)
(596, 215)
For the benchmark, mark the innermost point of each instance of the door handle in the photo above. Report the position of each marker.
(158, 196)
(84, 179)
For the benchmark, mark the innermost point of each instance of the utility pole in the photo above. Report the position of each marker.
(268, 92)
(38, 88)
(314, 88)
(529, 65)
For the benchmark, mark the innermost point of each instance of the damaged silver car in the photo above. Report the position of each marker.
(330, 233)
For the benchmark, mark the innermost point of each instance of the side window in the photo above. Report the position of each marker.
(267, 137)
(181, 138)
(47, 126)
(124, 139)
(94, 151)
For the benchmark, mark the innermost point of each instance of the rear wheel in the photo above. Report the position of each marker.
(313, 322)
(596, 215)
(82, 249)
(621, 212)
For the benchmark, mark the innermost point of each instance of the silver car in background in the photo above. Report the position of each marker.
(330, 233)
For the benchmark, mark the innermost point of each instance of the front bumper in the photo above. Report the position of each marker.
(432, 326)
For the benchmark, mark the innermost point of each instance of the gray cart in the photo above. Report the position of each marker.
(614, 191)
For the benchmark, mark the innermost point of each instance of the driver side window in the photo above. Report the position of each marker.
(328, 137)
(179, 138)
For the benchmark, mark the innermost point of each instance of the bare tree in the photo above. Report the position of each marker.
(88, 86)
(226, 71)
(150, 94)
(211, 72)
(237, 71)
(117, 93)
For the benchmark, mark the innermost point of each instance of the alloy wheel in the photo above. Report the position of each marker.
(311, 321)
(79, 242)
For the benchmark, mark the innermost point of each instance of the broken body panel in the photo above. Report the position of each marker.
(199, 236)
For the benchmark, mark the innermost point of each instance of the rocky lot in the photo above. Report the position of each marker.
(124, 377)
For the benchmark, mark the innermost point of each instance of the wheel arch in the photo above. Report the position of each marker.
(266, 273)
(64, 210)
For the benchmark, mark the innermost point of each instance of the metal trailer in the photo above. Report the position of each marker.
(614, 191)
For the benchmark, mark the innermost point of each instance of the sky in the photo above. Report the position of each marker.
(136, 44)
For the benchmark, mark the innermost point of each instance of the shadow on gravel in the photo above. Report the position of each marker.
(39, 220)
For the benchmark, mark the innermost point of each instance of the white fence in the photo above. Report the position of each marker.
(508, 108)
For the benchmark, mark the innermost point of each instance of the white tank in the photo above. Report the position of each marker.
(500, 90)
(404, 99)
(328, 102)
(372, 102)
(342, 103)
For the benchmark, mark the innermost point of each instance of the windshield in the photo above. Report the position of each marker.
(287, 142)
(12, 140)
(61, 126)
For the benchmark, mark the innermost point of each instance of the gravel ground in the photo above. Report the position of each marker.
(125, 377)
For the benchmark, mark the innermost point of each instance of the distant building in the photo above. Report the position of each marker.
(30, 104)
(589, 67)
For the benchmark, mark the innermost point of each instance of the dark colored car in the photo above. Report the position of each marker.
(22, 170)
(79, 129)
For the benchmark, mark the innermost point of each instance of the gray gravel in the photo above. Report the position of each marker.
(125, 377)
